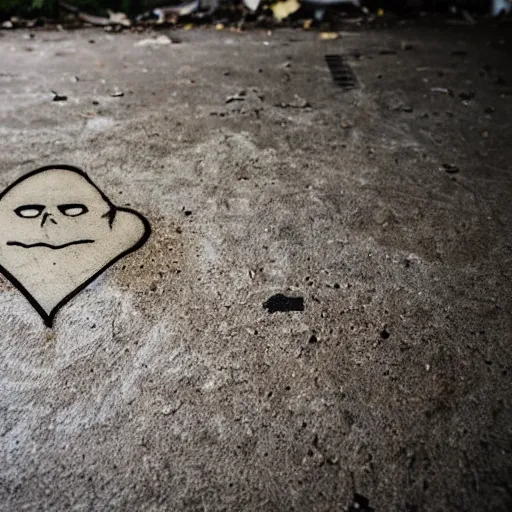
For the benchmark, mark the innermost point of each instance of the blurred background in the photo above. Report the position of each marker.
(287, 12)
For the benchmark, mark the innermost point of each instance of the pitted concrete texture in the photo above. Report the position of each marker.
(165, 385)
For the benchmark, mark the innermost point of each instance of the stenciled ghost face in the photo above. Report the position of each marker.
(53, 209)
(58, 232)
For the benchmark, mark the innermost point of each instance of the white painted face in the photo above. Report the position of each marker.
(58, 232)
(56, 208)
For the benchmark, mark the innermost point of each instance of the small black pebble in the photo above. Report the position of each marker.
(450, 168)
(466, 96)
(95, 102)
(188, 213)
(59, 97)
(384, 334)
(313, 339)
(336, 285)
(360, 504)
(281, 303)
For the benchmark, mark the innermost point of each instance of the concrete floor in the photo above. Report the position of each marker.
(165, 385)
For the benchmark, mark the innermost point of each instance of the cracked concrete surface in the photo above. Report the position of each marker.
(165, 385)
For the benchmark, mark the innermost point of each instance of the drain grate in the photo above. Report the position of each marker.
(341, 72)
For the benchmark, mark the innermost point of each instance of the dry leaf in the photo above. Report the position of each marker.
(327, 36)
(282, 10)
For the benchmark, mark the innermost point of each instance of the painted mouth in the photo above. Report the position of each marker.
(50, 246)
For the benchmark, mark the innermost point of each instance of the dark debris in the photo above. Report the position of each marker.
(450, 168)
(360, 504)
(282, 303)
(466, 96)
(59, 97)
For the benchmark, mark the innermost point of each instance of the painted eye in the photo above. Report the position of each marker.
(72, 210)
(29, 211)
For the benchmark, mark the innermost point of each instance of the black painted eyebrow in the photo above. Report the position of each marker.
(38, 207)
(63, 208)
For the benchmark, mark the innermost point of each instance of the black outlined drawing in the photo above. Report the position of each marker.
(59, 232)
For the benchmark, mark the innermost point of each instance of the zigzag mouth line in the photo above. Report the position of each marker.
(49, 246)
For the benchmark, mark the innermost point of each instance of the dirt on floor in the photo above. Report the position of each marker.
(166, 385)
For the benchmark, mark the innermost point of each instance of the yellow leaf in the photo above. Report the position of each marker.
(282, 10)
(326, 36)
(307, 24)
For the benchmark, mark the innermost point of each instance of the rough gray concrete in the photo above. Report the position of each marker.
(165, 386)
